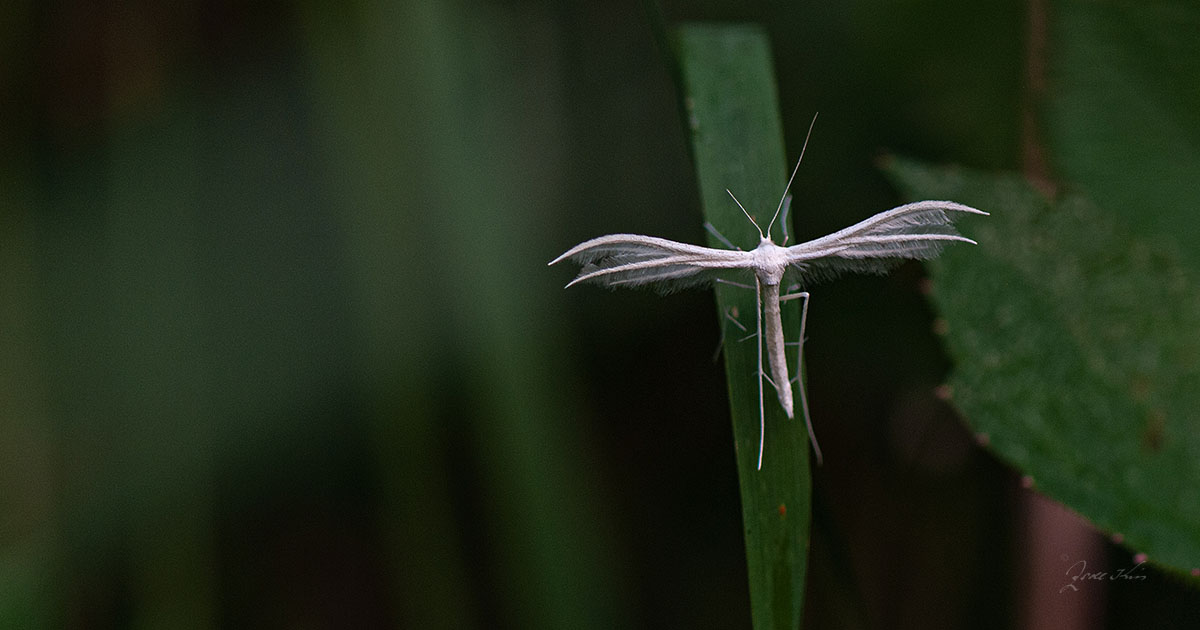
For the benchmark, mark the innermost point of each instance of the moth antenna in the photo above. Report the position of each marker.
(760, 232)
(794, 171)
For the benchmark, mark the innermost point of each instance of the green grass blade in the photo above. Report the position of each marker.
(737, 143)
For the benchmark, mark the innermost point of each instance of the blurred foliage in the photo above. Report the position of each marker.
(281, 349)
(1085, 373)
(1077, 345)
(1122, 121)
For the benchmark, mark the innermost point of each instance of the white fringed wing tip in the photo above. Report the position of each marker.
(635, 260)
(914, 231)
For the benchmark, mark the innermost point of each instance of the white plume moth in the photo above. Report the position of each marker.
(911, 231)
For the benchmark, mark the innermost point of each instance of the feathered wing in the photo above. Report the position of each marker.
(635, 260)
(913, 231)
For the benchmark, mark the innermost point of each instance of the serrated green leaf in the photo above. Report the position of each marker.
(1077, 352)
(737, 141)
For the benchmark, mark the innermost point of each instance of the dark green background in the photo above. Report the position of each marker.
(280, 348)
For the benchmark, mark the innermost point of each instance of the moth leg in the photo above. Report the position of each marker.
(729, 314)
(812, 436)
(762, 412)
(802, 295)
(721, 341)
(712, 229)
(762, 374)
(732, 283)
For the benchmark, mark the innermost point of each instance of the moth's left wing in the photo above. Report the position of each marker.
(916, 231)
(635, 260)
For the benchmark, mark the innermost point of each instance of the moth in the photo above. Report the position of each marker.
(915, 231)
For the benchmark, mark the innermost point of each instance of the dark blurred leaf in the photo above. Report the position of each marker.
(1078, 354)
(737, 142)
(451, 274)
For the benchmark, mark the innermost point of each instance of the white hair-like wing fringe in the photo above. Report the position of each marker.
(636, 260)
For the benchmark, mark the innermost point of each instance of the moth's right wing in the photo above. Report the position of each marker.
(915, 231)
(635, 260)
